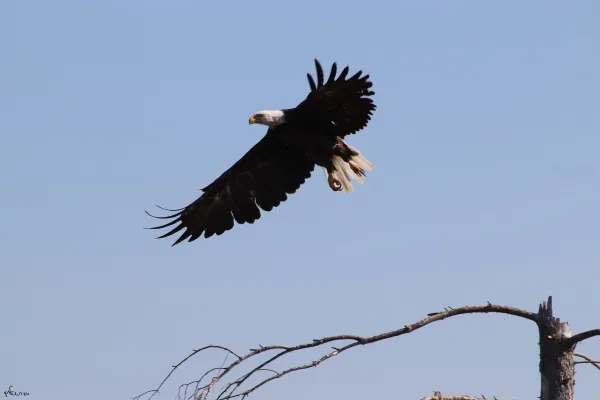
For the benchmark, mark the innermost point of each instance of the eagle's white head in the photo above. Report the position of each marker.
(267, 117)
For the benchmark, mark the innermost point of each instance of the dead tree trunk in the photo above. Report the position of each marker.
(557, 366)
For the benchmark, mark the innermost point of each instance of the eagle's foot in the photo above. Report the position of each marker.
(357, 169)
(334, 184)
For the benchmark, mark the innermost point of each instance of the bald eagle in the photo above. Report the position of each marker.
(297, 139)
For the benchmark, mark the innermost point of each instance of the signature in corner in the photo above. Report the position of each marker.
(11, 392)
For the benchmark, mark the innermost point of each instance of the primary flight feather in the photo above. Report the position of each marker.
(298, 138)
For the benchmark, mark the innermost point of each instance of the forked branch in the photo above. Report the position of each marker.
(587, 359)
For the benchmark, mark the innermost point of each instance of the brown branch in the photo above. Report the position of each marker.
(229, 392)
(580, 337)
(587, 360)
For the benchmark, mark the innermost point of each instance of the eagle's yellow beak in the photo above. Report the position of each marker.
(251, 120)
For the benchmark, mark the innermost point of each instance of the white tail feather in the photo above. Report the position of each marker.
(360, 159)
(344, 174)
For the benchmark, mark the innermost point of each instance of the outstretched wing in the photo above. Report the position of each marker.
(263, 178)
(344, 101)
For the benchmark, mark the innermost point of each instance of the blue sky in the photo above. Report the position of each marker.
(485, 188)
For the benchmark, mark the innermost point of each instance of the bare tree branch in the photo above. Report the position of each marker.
(587, 360)
(580, 337)
(229, 392)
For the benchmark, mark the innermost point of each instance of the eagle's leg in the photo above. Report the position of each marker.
(325, 161)
(334, 184)
(347, 163)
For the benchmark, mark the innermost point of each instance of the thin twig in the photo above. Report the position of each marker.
(157, 390)
(587, 360)
(185, 386)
